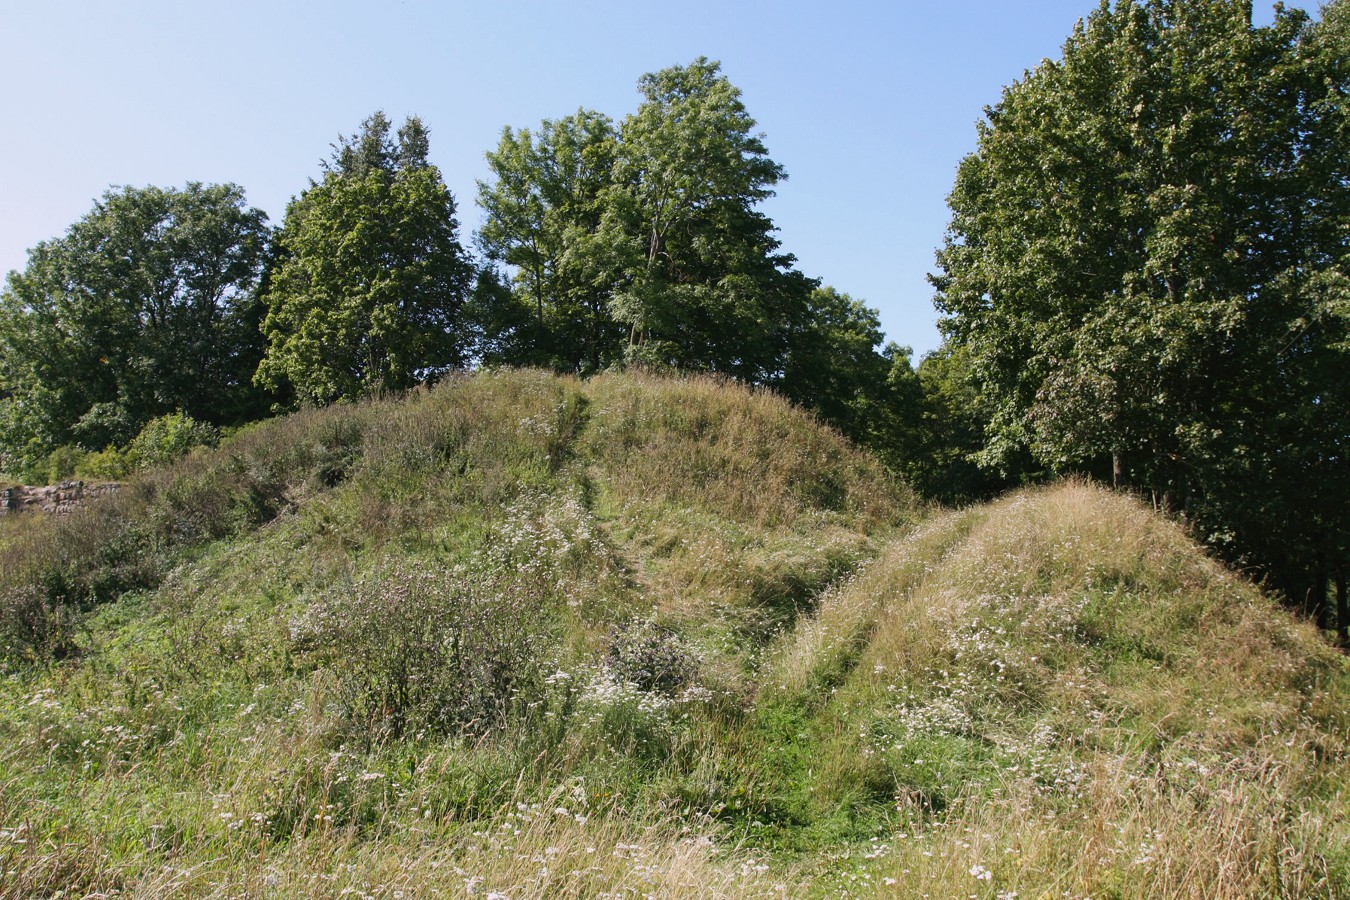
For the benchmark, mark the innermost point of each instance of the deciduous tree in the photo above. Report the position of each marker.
(646, 242)
(1146, 267)
(145, 306)
(543, 210)
(704, 281)
(371, 275)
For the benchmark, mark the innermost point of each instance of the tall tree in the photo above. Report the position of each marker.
(371, 275)
(645, 242)
(929, 425)
(1146, 265)
(704, 282)
(542, 212)
(146, 306)
(834, 366)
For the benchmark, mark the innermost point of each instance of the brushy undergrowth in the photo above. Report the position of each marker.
(526, 636)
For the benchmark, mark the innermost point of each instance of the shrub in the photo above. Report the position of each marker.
(110, 464)
(417, 651)
(61, 464)
(32, 627)
(159, 443)
(651, 658)
(167, 438)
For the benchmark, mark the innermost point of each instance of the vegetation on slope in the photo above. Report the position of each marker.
(1144, 280)
(1064, 694)
(535, 637)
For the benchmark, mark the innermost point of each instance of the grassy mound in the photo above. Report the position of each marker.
(639, 636)
(1065, 695)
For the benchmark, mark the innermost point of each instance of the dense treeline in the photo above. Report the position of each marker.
(1146, 279)
(147, 305)
(603, 245)
(1146, 271)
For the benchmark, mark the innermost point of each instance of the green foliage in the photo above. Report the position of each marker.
(644, 243)
(369, 276)
(533, 636)
(109, 464)
(833, 366)
(1146, 271)
(61, 464)
(166, 438)
(161, 441)
(54, 568)
(701, 283)
(542, 213)
(932, 426)
(145, 306)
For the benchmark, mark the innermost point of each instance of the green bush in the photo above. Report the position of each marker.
(160, 442)
(32, 627)
(168, 438)
(61, 464)
(111, 464)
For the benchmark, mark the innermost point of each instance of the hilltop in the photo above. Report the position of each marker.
(528, 636)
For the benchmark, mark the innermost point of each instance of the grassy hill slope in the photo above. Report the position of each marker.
(532, 637)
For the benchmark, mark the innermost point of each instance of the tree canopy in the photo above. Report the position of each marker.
(370, 275)
(145, 306)
(543, 214)
(703, 281)
(1146, 269)
(644, 242)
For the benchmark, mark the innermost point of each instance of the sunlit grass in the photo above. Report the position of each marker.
(534, 637)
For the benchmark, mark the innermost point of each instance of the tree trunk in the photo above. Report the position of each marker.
(1342, 612)
(1315, 603)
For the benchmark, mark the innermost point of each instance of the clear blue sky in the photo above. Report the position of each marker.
(868, 105)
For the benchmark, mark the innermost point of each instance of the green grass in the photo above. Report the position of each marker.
(641, 636)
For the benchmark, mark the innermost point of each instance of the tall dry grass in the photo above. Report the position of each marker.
(749, 455)
(1073, 700)
(744, 663)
